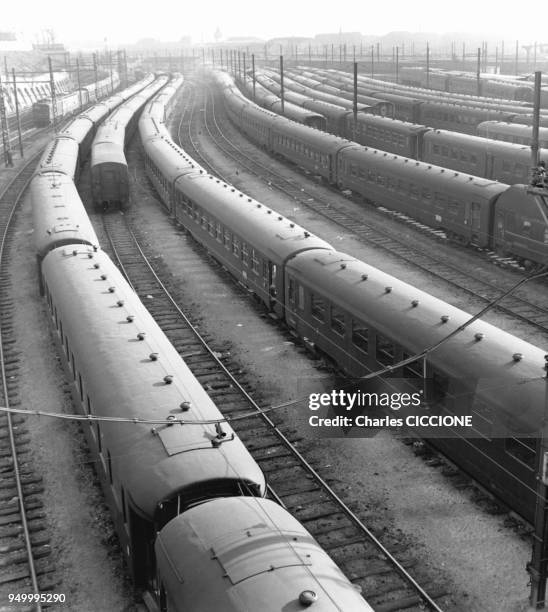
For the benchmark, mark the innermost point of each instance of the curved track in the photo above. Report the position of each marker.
(385, 582)
(534, 314)
(26, 567)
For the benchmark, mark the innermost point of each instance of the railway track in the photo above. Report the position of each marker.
(26, 568)
(372, 232)
(371, 564)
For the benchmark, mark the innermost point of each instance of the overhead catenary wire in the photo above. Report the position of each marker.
(172, 420)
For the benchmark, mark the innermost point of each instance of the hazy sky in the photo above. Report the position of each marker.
(121, 21)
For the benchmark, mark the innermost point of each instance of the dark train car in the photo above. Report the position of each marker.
(458, 118)
(109, 172)
(391, 135)
(511, 132)
(406, 108)
(249, 239)
(314, 151)
(492, 159)
(367, 320)
(521, 224)
(459, 204)
(42, 110)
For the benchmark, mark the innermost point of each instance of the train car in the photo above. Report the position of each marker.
(42, 110)
(59, 216)
(521, 225)
(340, 96)
(272, 102)
(367, 320)
(334, 114)
(314, 151)
(406, 108)
(511, 132)
(61, 155)
(150, 474)
(368, 86)
(251, 241)
(459, 204)
(492, 159)
(458, 118)
(391, 135)
(109, 172)
(248, 554)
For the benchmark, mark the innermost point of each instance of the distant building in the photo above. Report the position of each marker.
(11, 41)
(339, 38)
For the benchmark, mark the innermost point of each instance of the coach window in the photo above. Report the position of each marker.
(254, 261)
(245, 253)
(227, 239)
(219, 231)
(204, 221)
(360, 336)
(482, 417)
(522, 449)
(384, 350)
(337, 321)
(235, 246)
(81, 387)
(413, 369)
(300, 297)
(317, 307)
(526, 228)
(291, 290)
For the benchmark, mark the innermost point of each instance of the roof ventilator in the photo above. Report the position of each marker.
(220, 437)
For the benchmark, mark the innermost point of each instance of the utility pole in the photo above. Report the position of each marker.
(355, 97)
(96, 75)
(111, 73)
(5, 129)
(282, 83)
(372, 61)
(397, 64)
(478, 73)
(18, 118)
(253, 73)
(536, 120)
(79, 84)
(53, 96)
(427, 65)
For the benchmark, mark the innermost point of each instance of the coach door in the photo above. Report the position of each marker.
(275, 289)
(473, 220)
